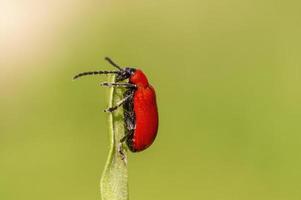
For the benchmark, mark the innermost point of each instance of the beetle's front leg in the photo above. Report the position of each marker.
(124, 85)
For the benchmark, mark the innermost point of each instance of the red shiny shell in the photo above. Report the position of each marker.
(145, 108)
(146, 112)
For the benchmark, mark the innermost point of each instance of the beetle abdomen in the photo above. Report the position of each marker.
(129, 119)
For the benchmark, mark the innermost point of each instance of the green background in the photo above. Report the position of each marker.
(227, 76)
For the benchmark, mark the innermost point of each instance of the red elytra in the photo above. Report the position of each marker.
(146, 113)
(139, 104)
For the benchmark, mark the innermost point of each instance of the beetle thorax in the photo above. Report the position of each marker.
(139, 79)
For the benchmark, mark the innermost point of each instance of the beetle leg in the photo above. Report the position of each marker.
(124, 138)
(120, 148)
(111, 109)
(125, 85)
(120, 151)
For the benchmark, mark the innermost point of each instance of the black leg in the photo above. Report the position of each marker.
(125, 85)
(121, 153)
(122, 101)
(120, 148)
(126, 137)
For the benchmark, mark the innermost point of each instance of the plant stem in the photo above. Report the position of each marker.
(114, 181)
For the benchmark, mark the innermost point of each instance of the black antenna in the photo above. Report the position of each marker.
(94, 73)
(112, 63)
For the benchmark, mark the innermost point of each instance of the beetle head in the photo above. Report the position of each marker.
(125, 73)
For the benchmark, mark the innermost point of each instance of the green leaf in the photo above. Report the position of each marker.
(114, 181)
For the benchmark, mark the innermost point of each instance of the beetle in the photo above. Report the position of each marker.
(139, 106)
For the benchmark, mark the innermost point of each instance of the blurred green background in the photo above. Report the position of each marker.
(227, 76)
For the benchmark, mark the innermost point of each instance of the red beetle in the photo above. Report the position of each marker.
(139, 104)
